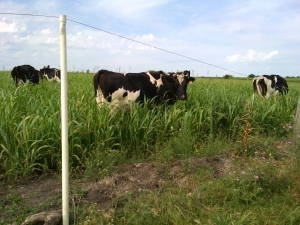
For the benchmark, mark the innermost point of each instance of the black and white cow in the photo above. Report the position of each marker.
(270, 85)
(136, 87)
(51, 74)
(23, 73)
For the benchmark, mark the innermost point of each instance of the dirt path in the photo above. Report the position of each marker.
(44, 193)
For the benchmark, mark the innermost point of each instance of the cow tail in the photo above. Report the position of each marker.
(14, 75)
(255, 86)
(96, 83)
(96, 80)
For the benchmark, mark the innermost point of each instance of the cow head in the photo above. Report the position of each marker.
(182, 79)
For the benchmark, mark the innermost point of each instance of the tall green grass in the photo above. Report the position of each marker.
(30, 125)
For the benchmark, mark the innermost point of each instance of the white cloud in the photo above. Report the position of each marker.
(251, 55)
(187, 29)
(46, 31)
(128, 9)
(8, 25)
(146, 37)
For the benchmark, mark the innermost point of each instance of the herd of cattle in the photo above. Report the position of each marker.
(21, 74)
(121, 88)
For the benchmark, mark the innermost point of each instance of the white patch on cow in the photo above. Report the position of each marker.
(20, 82)
(152, 80)
(54, 79)
(99, 97)
(124, 74)
(258, 87)
(117, 96)
(270, 91)
(180, 77)
(159, 82)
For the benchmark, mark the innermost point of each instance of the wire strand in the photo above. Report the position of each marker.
(111, 33)
(27, 14)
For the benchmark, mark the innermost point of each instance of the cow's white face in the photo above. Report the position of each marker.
(180, 77)
(182, 82)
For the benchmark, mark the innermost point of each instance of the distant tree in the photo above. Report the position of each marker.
(227, 76)
(251, 76)
(87, 71)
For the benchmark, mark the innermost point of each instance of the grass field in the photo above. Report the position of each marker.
(220, 117)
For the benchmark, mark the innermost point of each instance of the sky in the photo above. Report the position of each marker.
(208, 37)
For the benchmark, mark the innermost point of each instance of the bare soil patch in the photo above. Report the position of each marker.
(44, 193)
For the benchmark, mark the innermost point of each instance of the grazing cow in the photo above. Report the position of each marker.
(20, 74)
(136, 87)
(51, 74)
(270, 85)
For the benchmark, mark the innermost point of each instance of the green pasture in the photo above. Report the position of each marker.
(30, 126)
(222, 118)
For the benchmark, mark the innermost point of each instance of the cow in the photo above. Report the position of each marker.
(23, 73)
(183, 79)
(120, 89)
(270, 85)
(51, 74)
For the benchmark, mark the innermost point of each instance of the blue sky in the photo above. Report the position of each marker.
(248, 37)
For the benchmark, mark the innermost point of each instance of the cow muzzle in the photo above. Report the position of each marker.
(182, 97)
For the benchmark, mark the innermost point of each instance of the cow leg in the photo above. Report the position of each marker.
(100, 98)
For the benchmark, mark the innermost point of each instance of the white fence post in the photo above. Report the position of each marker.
(297, 125)
(64, 120)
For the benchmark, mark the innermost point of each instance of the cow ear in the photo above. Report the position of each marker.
(191, 80)
(187, 73)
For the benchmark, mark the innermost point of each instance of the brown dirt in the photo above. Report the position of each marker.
(45, 192)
